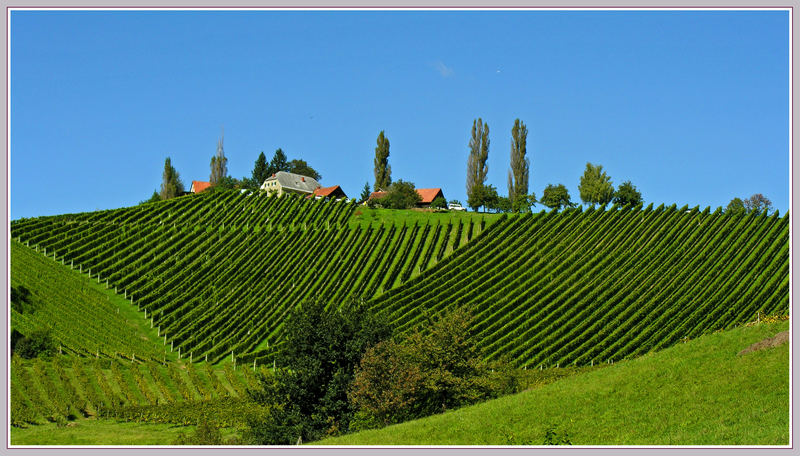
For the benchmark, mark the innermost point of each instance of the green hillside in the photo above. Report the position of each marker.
(697, 393)
(592, 287)
(49, 391)
(82, 316)
(217, 280)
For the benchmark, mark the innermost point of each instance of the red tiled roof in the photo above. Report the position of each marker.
(324, 191)
(428, 194)
(377, 195)
(199, 186)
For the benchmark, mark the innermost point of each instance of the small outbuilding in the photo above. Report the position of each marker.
(334, 192)
(199, 186)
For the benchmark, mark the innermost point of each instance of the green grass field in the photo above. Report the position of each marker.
(105, 432)
(695, 393)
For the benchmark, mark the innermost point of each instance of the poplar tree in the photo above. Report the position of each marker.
(171, 185)
(520, 165)
(477, 169)
(219, 164)
(383, 171)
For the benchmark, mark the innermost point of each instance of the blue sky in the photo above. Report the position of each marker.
(692, 107)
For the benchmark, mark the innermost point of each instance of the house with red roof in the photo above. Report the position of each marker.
(199, 186)
(427, 195)
(334, 192)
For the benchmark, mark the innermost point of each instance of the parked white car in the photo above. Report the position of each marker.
(455, 207)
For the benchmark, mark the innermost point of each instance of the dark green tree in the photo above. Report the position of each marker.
(556, 197)
(595, 186)
(401, 195)
(365, 192)
(153, 198)
(520, 165)
(383, 171)
(503, 204)
(308, 399)
(260, 170)
(171, 185)
(483, 196)
(627, 195)
(219, 164)
(422, 374)
(278, 163)
(758, 204)
(736, 207)
(439, 203)
(477, 169)
(299, 166)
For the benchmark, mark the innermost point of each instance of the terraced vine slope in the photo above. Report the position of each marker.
(85, 320)
(216, 274)
(172, 392)
(585, 287)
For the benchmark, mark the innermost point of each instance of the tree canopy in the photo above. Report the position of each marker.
(519, 172)
(383, 171)
(627, 195)
(595, 186)
(477, 169)
(219, 164)
(401, 195)
(299, 166)
(556, 197)
(171, 185)
(260, 170)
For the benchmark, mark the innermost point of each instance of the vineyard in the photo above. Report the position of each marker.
(164, 312)
(586, 287)
(219, 288)
(70, 387)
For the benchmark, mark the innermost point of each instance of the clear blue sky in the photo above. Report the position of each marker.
(692, 107)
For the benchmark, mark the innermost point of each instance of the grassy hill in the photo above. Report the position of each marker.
(695, 393)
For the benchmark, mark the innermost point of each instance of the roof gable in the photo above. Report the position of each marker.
(199, 186)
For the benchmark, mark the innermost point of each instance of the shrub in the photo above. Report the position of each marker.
(439, 203)
(39, 342)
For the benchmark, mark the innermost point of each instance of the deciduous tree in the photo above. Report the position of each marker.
(477, 169)
(299, 166)
(171, 185)
(556, 197)
(758, 204)
(519, 173)
(383, 171)
(401, 195)
(627, 195)
(219, 164)
(595, 186)
(736, 207)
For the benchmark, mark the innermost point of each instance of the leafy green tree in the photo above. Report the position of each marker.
(503, 204)
(171, 185)
(477, 169)
(278, 163)
(556, 196)
(308, 399)
(260, 170)
(483, 196)
(523, 203)
(401, 195)
(758, 204)
(520, 164)
(383, 171)
(299, 166)
(439, 203)
(39, 343)
(627, 195)
(425, 373)
(595, 186)
(736, 207)
(365, 192)
(454, 201)
(219, 164)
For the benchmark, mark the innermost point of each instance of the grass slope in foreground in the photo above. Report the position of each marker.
(696, 393)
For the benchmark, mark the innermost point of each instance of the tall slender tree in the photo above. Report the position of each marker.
(260, 171)
(219, 163)
(383, 171)
(519, 173)
(171, 185)
(477, 169)
(278, 163)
